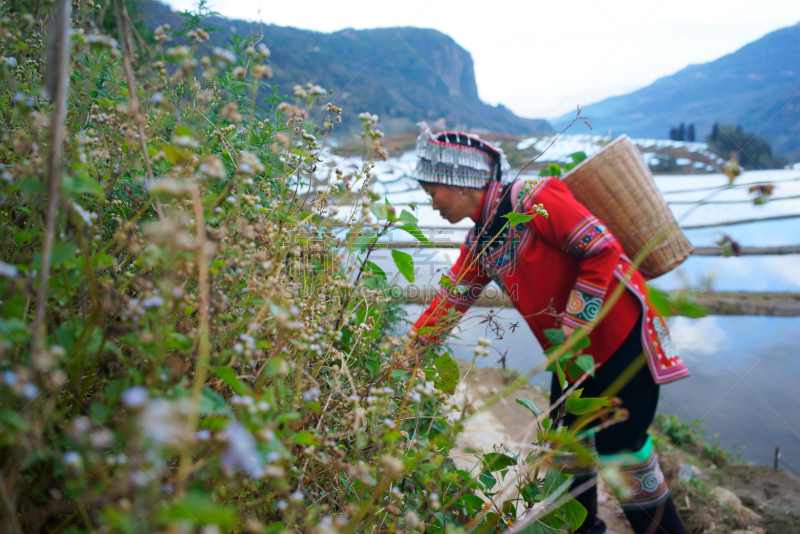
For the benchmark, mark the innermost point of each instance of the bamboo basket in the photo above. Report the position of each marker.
(616, 185)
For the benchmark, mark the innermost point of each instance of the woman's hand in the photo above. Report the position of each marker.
(568, 331)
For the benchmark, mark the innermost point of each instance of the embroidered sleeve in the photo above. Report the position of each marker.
(587, 238)
(571, 228)
(584, 304)
(448, 305)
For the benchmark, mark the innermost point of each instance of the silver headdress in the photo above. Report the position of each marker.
(458, 158)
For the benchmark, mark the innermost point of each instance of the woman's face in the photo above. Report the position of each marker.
(452, 202)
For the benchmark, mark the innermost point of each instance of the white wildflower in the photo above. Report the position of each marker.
(85, 215)
(165, 422)
(241, 452)
(10, 378)
(73, 460)
(30, 390)
(7, 270)
(135, 397)
(223, 56)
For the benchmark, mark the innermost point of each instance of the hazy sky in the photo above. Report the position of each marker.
(541, 59)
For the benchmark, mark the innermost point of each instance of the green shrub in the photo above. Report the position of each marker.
(181, 342)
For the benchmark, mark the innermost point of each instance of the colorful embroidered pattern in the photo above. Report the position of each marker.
(662, 355)
(569, 464)
(503, 253)
(646, 484)
(590, 288)
(461, 300)
(587, 238)
(582, 308)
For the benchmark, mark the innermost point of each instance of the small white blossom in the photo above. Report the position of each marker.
(223, 56)
(73, 460)
(152, 302)
(241, 452)
(10, 378)
(135, 397)
(7, 270)
(30, 390)
(86, 216)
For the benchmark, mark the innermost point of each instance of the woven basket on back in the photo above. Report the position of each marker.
(617, 186)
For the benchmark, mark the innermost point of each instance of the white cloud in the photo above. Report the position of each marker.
(700, 336)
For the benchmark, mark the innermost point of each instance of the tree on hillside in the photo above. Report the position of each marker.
(752, 150)
(677, 134)
(682, 133)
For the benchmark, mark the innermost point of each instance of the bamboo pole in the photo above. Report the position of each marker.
(698, 251)
(715, 302)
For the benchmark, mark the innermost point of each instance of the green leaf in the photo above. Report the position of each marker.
(228, 376)
(554, 335)
(99, 412)
(497, 461)
(407, 218)
(415, 232)
(304, 437)
(377, 271)
(374, 282)
(584, 406)
(447, 369)
(198, 508)
(529, 405)
(561, 377)
(446, 282)
(211, 403)
(582, 364)
(472, 503)
(30, 185)
(405, 263)
(359, 242)
(62, 253)
(578, 157)
(687, 307)
(661, 302)
(517, 218)
(176, 341)
(563, 359)
(574, 514)
(382, 212)
(583, 343)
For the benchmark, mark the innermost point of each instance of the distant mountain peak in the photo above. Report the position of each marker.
(405, 75)
(757, 87)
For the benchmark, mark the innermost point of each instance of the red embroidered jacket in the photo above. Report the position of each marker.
(565, 263)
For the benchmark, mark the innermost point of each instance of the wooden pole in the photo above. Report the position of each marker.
(699, 251)
(715, 302)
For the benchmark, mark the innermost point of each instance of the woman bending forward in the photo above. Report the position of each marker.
(558, 270)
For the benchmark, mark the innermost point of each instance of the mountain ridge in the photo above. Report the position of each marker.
(405, 75)
(756, 87)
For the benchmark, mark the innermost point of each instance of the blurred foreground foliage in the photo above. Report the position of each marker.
(213, 350)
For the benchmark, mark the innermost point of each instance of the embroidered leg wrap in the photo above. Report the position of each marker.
(642, 492)
(582, 473)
